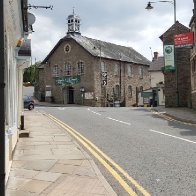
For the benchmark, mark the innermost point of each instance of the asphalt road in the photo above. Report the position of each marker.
(160, 155)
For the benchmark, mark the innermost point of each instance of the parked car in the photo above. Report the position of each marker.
(28, 102)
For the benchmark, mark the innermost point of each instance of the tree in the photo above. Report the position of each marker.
(31, 73)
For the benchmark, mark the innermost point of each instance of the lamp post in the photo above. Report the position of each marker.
(173, 2)
(149, 6)
(82, 90)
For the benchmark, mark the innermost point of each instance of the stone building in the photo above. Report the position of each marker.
(177, 81)
(193, 59)
(87, 71)
(17, 56)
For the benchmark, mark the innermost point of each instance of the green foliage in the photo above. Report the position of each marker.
(31, 73)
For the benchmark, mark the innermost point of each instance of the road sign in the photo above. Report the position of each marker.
(104, 82)
(104, 78)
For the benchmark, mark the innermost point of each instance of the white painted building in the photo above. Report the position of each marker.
(155, 95)
(17, 57)
(157, 77)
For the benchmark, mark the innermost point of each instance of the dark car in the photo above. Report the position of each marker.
(28, 102)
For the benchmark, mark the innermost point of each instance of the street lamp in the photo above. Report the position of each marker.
(173, 2)
(82, 90)
(149, 6)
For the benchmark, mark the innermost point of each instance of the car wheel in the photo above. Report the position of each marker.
(31, 106)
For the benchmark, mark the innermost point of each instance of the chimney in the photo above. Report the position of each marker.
(156, 54)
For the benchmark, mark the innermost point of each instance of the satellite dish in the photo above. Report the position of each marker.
(31, 19)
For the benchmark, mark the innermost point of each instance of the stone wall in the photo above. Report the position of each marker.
(91, 80)
(178, 81)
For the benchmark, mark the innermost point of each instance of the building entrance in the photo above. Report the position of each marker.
(70, 95)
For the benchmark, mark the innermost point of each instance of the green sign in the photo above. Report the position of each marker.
(67, 80)
(169, 57)
(146, 94)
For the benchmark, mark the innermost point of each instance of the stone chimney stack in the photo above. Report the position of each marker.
(156, 54)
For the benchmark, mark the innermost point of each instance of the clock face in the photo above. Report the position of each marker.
(67, 48)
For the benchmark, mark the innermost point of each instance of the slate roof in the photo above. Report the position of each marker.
(177, 27)
(157, 64)
(108, 50)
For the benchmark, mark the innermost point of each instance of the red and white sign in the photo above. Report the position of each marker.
(183, 40)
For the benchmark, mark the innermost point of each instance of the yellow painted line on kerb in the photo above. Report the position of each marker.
(108, 167)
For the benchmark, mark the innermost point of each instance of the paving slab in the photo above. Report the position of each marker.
(50, 162)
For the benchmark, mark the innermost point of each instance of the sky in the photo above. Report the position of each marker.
(122, 22)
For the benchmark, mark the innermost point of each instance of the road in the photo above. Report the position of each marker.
(158, 154)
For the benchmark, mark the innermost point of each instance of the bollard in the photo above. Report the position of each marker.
(22, 122)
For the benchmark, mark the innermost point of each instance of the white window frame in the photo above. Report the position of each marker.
(117, 69)
(80, 65)
(141, 72)
(55, 71)
(129, 70)
(68, 69)
(103, 67)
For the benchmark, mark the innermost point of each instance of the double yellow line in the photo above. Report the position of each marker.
(109, 165)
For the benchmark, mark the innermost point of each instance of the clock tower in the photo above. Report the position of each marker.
(73, 22)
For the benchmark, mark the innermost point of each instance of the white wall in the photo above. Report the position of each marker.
(156, 77)
(13, 80)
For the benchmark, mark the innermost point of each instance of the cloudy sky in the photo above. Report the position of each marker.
(123, 22)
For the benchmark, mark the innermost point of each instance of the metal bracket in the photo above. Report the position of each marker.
(2, 85)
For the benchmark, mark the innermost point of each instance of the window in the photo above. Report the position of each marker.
(129, 70)
(103, 67)
(67, 69)
(141, 72)
(55, 71)
(141, 88)
(117, 70)
(117, 91)
(193, 66)
(80, 68)
(130, 91)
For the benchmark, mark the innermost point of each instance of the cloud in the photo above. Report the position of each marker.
(44, 37)
(122, 22)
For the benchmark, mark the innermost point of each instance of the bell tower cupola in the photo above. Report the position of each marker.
(73, 22)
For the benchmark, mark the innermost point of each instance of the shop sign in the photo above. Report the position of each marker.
(146, 94)
(169, 57)
(184, 40)
(67, 80)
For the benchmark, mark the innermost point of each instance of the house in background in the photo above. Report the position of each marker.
(87, 71)
(157, 77)
(154, 96)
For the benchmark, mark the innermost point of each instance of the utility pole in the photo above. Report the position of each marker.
(2, 102)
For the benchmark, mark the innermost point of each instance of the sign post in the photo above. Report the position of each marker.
(104, 78)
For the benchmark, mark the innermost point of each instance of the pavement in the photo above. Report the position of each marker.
(182, 114)
(49, 162)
